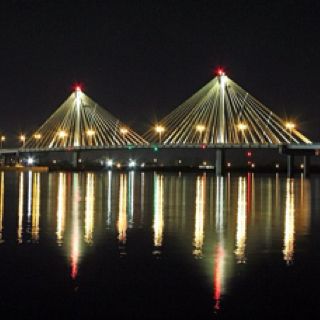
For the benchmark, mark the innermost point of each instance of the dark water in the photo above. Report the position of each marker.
(158, 246)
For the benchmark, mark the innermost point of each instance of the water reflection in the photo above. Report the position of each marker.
(219, 256)
(241, 221)
(131, 197)
(20, 208)
(61, 206)
(122, 218)
(75, 232)
(199, 217)
(1, 204)
(109, 199)
(35, 207)
(158, 221)
(89, 208)
(29, 200)
(288, 240)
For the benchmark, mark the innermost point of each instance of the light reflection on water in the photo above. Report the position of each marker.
(1, 203)
(158, 223)
(220, 222)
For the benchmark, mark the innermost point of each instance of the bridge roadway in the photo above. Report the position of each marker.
(280, 147)
(291, 150)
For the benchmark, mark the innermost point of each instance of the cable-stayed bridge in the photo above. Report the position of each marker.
(219, 116)
(223, 113)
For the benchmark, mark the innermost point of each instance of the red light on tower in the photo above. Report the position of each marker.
(219, 72)
(77, 87)
(249, 154)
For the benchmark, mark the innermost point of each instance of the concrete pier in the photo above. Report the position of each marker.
(290, 165)
(220, 165)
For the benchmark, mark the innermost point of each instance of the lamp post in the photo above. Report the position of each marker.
(290, 126)
(2, 140)
(200, 128)
(90, 134)
(62, 135)
(124, 131)
(37, 136)
(159, 129)
(23, 140)
(242, 127)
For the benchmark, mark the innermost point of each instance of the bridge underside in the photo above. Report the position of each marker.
(290, 151)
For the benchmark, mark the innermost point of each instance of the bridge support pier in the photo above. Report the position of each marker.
(290, 165)
(220, 154)
(7, 159)
(75, 159)
(306, 166)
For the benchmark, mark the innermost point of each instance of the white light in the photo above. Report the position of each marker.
(109, 162)
(132, 163)
(124, 130)
(242, 126)
(200, 128)
(30, 161)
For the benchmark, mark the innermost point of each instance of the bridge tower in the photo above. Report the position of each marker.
(223, 115)
(80, 124)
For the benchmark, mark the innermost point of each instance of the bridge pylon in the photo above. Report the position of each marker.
(223, 113)
(80, 123)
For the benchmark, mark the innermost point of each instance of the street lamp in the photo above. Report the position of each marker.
(37, 136)
(124, 131)
(90, 134)
(159, 129)
(62, 134)
(23, 140)
(290, 126)
(200, 128)
(242, 127)
(3, 139)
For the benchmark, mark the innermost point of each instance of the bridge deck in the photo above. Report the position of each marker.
(313, 146)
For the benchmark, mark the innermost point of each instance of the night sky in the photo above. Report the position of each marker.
(140, 59)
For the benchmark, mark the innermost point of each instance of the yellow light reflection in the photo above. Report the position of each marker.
(131, 197)
(35, 207)
(75, 236)
(142, 196)
(61, 207)
(20, 207)
(219, 205)
(29, 201)
(199, 217)
(158, 221)
(288, 240)
(89, 209)
(1, 204)
(122, 219)
(109, 193)
(241, 222)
